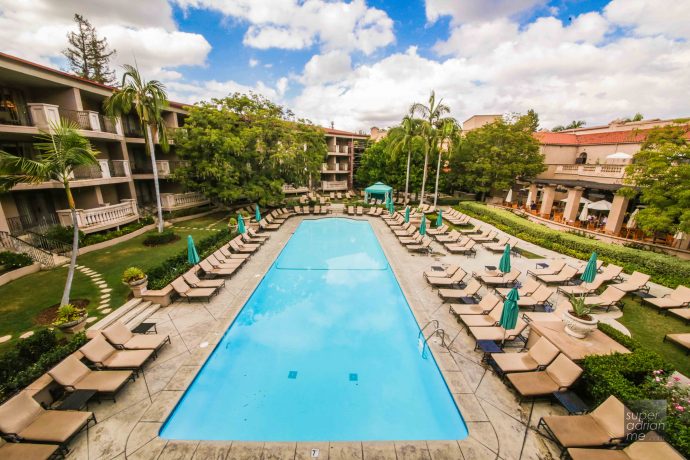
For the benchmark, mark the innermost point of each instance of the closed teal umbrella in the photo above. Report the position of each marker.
(504, 264)
(511, 311)
(407, 214)
(257, 216)
(590, 270)
(192, 255)
(439, 219)
(240, 223)
(422, 226)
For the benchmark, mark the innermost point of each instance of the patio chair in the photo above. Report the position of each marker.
(242, 249)
(360, 210)
(264, 225)
(317, 209)
(527, 288)
(438, 230)
(372, 210)
(424, 246)
(558, 376)
(105, 356)
(457, 294)
(210, 270)
(584, 288)
(193, 280)
(451, 237)
(540, 355)
(566, 275)
(185, 291)
(638, 450)
(498, 333)
(636, 282)
(442, 281)
(583, 264)
(123, 339)
(507, 279)
(254, 234)
(29, 451)
(246, 239)
(467, 248)
(490, 319)
(350, 210)
(444, 273)
(215, 262)
(298, 210)
(22, 418)
(681, 313)
(485, 305)
(274, 221)
(553, 268)
(680, 297)
(498, 246)
(484, 235)
(604, 426)
(682, 340)
(332, 195)
(539, 298)
(226, 253)
(405, 230)
(74, 375)
(611, 297)
(415, 238)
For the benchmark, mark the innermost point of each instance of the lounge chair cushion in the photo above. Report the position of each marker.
(541, 354)
(533, 383)
(127, 359)
(146, 342)
(98, 350)
(103, 381)
(117, 333)
(596, 454)
(69, 371)
(55, 426)
(576, 431)
(19, 412)
(27, 451)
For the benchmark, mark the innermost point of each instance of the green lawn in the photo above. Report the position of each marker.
(25, 298)
(648, 327)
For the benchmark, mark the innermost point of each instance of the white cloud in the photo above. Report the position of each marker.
(329, 67)
(645, 17)
(463, 11)
(292, 24)
(253, 62)
(208, 89)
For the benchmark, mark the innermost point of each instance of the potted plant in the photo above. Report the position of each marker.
(136, 279)
(578, 321)
(70, 318)
(232, 224)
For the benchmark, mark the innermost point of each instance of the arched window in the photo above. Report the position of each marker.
(581, 159)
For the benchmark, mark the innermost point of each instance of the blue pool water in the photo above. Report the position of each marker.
(325, 349)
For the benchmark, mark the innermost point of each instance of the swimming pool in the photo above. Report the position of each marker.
(325, 349)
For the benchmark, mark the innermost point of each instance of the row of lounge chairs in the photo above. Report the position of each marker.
(316, 209)
(408, 234)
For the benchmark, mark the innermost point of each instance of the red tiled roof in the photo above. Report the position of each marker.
(337, 132)
(613, 137)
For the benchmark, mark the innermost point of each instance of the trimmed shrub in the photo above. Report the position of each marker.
(13, 260)
(158, 239)
(663, 268)
(95, 238)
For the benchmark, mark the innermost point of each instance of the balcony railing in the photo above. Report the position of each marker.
(101, 218)
(341, 149)
(119, 168)
(87, 172)
(291, 189)
(174, 201)
(336, 185)
(337, 167)
(44, 116)
(80, 117)
(25, 222)
(609, 174)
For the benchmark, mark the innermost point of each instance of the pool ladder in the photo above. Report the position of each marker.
(423, 340)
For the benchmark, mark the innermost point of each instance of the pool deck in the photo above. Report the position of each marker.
(499, 427)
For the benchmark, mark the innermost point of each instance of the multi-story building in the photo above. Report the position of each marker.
(344, 151)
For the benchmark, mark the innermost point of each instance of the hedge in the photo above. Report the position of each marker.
(124, 230)
(13, 260)
(663, 268)
(166, 272)
(33, 357)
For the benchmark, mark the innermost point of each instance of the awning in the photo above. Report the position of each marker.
(378, 190)
(601, 205)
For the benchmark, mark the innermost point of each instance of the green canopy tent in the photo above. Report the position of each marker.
(379, 191)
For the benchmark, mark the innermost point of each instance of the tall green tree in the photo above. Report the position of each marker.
(403, 137)
(245, 147)
(661, 176)
(433, 117)
(87, 54)
(383, 161)
(147, 99)
(61, 150)
(494, 156)
(449, 134)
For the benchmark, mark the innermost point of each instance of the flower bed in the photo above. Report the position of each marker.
(664, 269)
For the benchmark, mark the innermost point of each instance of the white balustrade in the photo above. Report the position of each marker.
(334, 185)
(172, 201)
(44, 115)
(101, 218)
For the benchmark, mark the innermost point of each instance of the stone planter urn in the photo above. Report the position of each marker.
(73, 326)
(138, 287)
(578, 327)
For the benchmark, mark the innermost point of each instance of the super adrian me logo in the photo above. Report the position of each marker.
(645, 420)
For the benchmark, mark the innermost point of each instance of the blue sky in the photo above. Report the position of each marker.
(361, 63)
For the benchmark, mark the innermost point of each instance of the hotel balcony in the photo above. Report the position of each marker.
(334, 186)
(101, 218)
(339, 150)
(164, 168)
(175, 201)
(604, 173)
(334, 168)
(292, 190)
(106, 172)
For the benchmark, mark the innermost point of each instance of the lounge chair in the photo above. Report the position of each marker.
(28, 451)
(470, 291)
(486, 235)
(415, 238)
(424, 246)
(681, 313)
(507, 279)
(485, 305)
(680, 297)
(498, 333)
(405, 230)
(226, 253)
(317, 209)
(527, 288)
(582, 265)
(682, 340)
(604, 426)
(74, 375)
(467, 248)
(536, 358)
(538, 299)
(451, 237)
(442, 281)
(257, 235)
(123, 339)
(583, 288)
(210, 270)
(490, 319)
(351, 210)
(611, 297)
(184, 290)
(105, 356)
(378, 211)
(360, 210)
(325, 209)
(223, 258)
(498, 246)
(22, 418)
(558, 376)
(298, 210)
(244, 248)
(554, 267)
(339, 195)
(274, 221)
(636, 282)
(332, 195)
(193, 280)
(245, 239)
(264, 225)
(372, 210)
(639, 450)
(564, 276)
(438, 230)
(446, 272)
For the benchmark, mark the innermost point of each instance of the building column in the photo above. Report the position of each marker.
(548, 195)
(614, 222)
(573, 204)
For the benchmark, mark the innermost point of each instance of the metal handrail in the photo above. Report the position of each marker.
(47, 244)
(16, 245)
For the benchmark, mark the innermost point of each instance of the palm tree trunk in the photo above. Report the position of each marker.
(407, 176)
(426, 164)
(156, 185)
(75, 247)
(438, 170)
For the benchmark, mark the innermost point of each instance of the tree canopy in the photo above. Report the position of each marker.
(88, 56)
(246, 147)
(572, 125)
(661, 173)
(384, 161)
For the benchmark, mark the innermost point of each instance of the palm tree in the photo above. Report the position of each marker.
(62, 150)
(405, 135)
(147, 99)
(432, 116)
(448, 134)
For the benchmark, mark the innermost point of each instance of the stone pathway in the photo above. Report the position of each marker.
(103, 290)
(206, 229)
